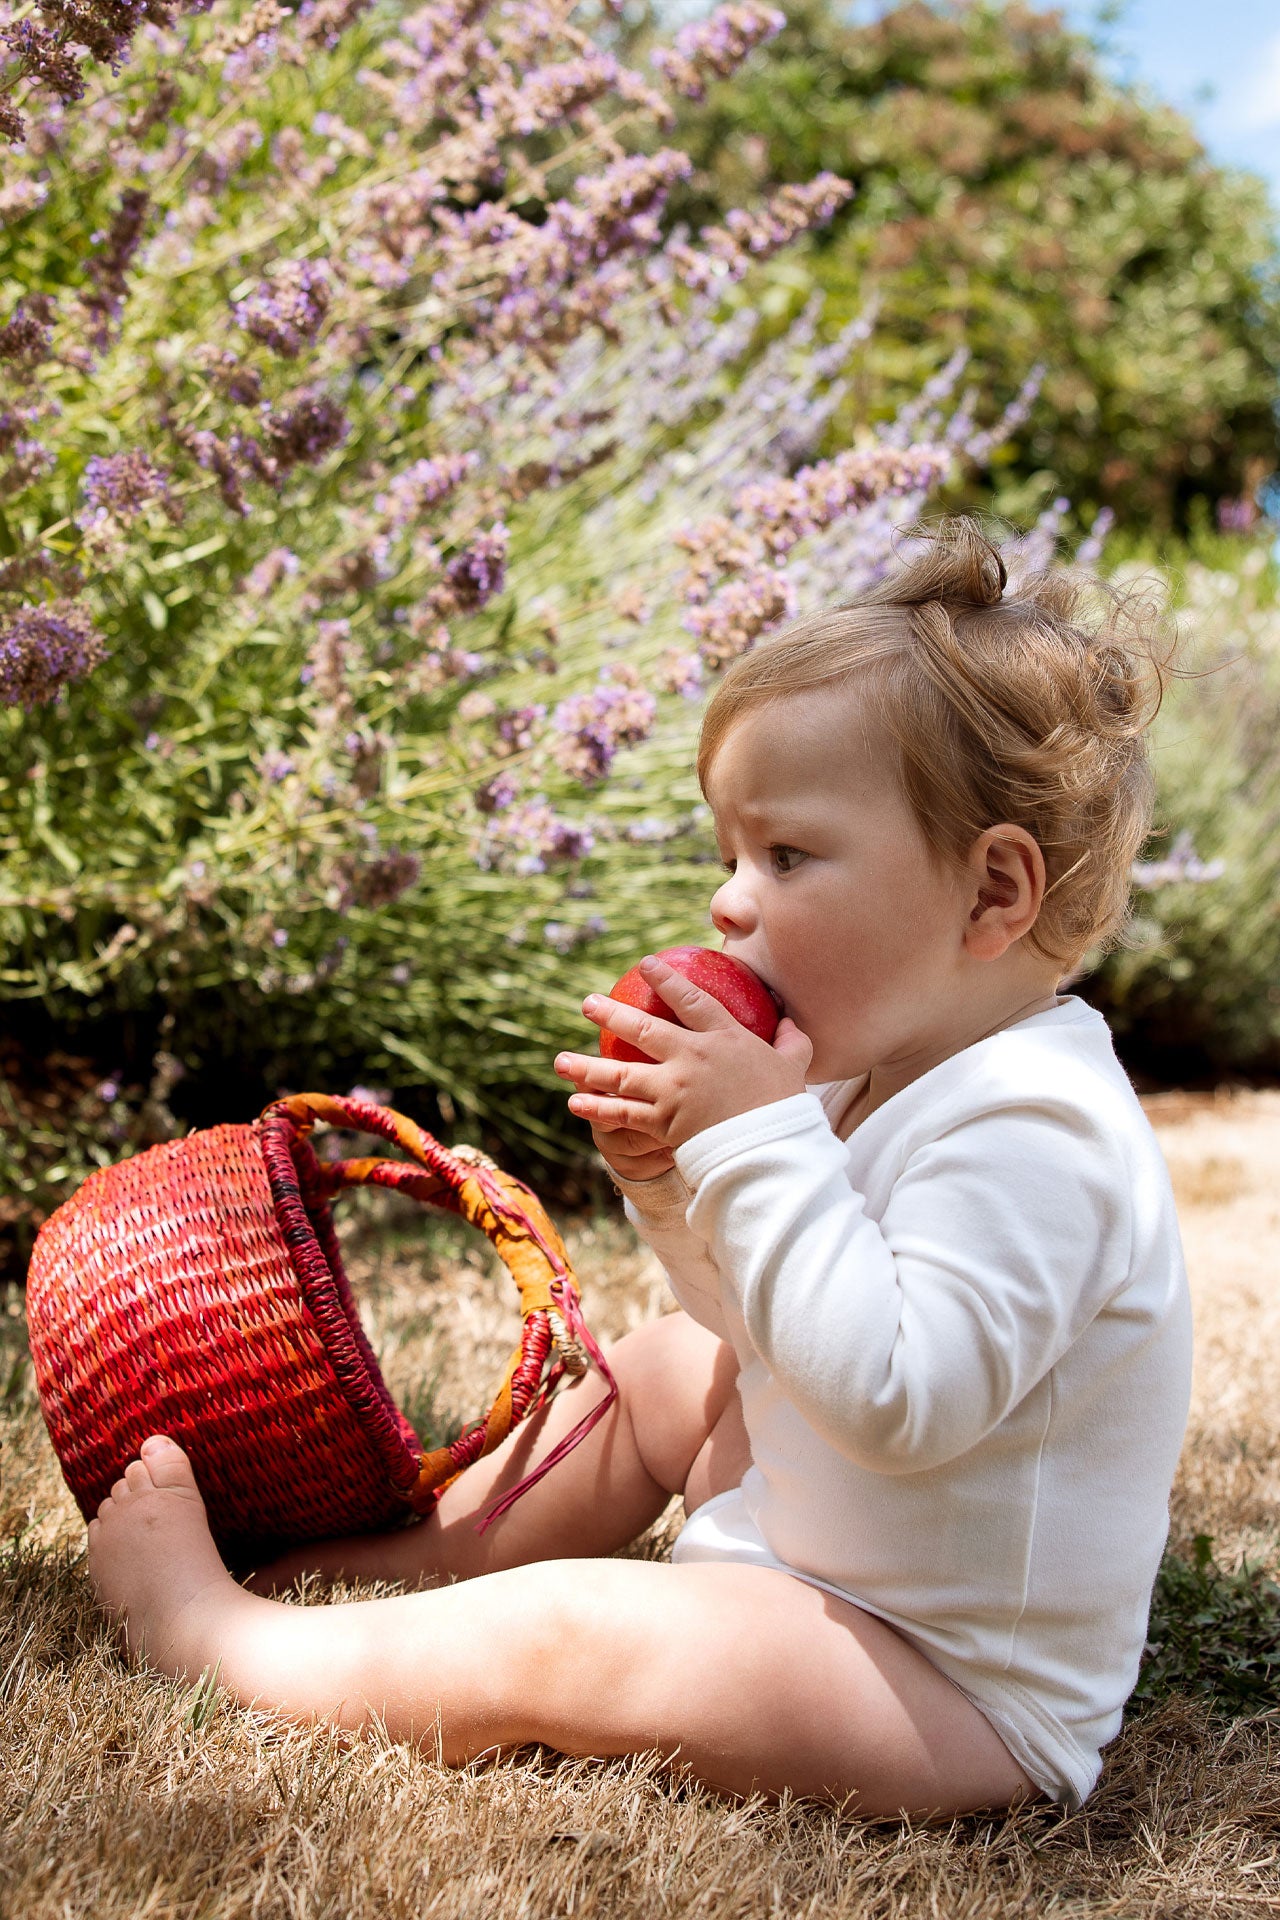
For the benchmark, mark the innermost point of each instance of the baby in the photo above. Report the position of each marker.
(926, 1392)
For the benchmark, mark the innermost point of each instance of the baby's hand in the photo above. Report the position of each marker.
(706, 1070)
(630, 1155)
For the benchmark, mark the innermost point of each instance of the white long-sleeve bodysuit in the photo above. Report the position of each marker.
(965, 1352)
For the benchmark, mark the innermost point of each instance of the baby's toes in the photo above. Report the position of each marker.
(166, 1465)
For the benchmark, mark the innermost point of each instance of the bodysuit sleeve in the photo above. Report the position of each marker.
(905, 1341)
(656, 1209)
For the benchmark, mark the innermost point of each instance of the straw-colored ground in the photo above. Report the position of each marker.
(121, 1795)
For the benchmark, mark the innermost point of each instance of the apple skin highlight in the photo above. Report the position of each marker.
(741, 992)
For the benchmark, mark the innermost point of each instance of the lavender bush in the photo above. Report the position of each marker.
(379, 490)
(1197, 990)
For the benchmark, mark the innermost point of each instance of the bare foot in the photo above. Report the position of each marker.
(154, 1565)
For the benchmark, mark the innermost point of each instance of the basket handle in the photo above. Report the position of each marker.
(555, 1341)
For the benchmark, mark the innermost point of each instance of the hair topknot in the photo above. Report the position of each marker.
(1024, 700)
(954, 561)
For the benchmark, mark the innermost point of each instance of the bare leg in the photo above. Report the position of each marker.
(677, 1405)
(750, 1678)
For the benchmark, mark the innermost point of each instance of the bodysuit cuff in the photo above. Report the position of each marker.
(703, 1152)
(660, 1202)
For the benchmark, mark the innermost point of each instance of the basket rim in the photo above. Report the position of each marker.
(305, 1218)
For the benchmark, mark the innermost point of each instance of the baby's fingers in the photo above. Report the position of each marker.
(625, 1165)
(609, 1114)
(649, 1033)
(593, 1073)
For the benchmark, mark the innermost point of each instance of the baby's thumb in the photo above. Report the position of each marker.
(791, 1043)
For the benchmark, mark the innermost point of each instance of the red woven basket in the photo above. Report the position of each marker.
(198, 1290)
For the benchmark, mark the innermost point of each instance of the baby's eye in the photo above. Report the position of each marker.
(730, 866)
(786, 859)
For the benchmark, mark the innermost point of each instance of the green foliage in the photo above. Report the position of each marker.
(1213, 1635)
(1011, 200)
(1197, 989)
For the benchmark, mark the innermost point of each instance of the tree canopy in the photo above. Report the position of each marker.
(1013, 199)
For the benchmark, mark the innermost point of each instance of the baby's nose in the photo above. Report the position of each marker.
(730, 907)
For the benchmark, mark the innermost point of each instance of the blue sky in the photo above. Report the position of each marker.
(1218, 60)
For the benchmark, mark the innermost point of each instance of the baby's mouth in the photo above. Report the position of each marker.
(772, 991)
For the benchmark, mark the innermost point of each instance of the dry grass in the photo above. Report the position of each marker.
(122, 1795)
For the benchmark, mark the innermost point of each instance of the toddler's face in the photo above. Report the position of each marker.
(834, 897)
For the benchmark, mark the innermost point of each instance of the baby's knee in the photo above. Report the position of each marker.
(674, 1354)
(581, 1653)
(676, 1380)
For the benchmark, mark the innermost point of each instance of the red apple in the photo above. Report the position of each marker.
(727, 980)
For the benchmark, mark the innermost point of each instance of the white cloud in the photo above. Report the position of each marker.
(1254, 106)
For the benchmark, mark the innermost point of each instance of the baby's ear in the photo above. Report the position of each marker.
(1006, 880)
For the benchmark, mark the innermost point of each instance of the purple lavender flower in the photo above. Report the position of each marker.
(43, 649)
(1033, 552)
(287, 311)
(219, 458)
(497, 794)
(325, 21)
(122, 484)
(479, 571)
(545, 291)
(422, 486)
(1089, 552)
(280, 564)
(329, 658)
(1181, 866)
(518, 727)
(590, 727)
(548, 95)
(735, 617)
(22, 570)
(229, 375)
(42, 58)
(1015, 415)
(14, 422)
(786, 510)
(680, 672)
(728, 251)
(27, 461)
(109, 269)
(26, 337)
(444, 666)
(103, 29)
(376, 881)
(650, 828)
(528, 837)
(715, 47)
(304, 433)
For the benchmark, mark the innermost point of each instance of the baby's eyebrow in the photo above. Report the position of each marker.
(776, 822)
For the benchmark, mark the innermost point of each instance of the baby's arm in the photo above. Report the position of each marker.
(657, 1210)
(904, 1342)
(656, 1200)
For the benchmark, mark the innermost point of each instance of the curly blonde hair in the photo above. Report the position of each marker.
(1029, 706)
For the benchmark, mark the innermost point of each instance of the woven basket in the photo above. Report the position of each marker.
(198, 1290)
